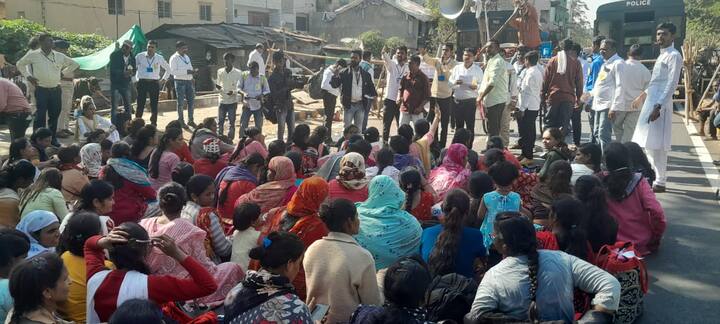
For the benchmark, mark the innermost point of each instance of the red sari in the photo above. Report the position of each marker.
(303, 210)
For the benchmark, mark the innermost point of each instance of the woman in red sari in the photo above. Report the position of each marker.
(300, 217)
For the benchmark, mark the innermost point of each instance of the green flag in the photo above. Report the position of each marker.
(100, 59)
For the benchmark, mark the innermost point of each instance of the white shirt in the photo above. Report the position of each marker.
(395, 72)
(428, 69)
(256, 56)
(46, 68)
(148, 68)
(252, 87)
(325, 85)
(469, 76)
(634, 79)
(607, 81)
(228, 82)
(179, 65)
(356, 93)
(531, 81)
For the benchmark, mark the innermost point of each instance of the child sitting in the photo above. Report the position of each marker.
(245, 218)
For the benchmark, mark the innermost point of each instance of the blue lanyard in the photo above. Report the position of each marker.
(182, 58)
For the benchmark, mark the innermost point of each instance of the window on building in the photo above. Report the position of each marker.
(205, 11)
(21, 14)
(258, 18)
(287, 6)
(164, 9)
(301, 23)
(236, 12)
(544, 16)
(116, 7)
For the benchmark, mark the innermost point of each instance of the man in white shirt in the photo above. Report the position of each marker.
(227, 83)
(465, 79)
(257, 56)
(47, 67)
(395, 69)
(66, 85)
(654, 127)
(149, 83)
(330, 94)
(633, 79)
(252, 86)
(604, 96)
(182, 70)
(530, 84)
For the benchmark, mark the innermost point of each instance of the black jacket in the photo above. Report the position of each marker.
(117, 69)
(344, 80)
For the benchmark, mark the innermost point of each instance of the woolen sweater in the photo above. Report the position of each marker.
(353, 281)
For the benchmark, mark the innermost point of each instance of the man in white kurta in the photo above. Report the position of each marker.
(653, 131)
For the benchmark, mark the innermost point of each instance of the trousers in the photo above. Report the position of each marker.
(658, 160)
(528, 133)
(185, 92)
(392, 112)
(245, 119)
(494, 116)
(445, 105)
(624, 125)
(329, 103)
(116, 94)
(353, 115)
(148, 89)
(602, 128)
(49, 105)
(228, 111)
(67, 102)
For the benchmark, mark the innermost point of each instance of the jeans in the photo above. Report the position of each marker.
(115, 95)
(410, 119)
(148, 88)
(353, 115)
(591, 120)
(329, 103)
(185, 92)
(366, 116)
(228, 111)
(624, 125)
(528, 133)
(245, 119)
(505, 125)
(17, 124)
(49, 105)
(558, 116)
(494, 119)
(286, 115)
(445, 105)
(391, 112)
(603, 128)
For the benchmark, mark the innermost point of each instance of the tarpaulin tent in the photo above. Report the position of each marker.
(100, 59)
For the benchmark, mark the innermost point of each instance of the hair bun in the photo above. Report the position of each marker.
(257, 253)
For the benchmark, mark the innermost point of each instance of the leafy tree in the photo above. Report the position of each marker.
(703, 19)
(394, 42)
(443, 31)
(16, 33)
(579, 28)
(373, 41)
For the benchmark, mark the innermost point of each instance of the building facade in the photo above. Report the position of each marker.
(115, 17)
(290, 14)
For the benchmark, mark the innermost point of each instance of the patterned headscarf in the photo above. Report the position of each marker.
(270, 195)
(308, 198)
(91, 157)
(352, 171)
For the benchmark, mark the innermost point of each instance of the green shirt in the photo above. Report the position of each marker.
(495, 75)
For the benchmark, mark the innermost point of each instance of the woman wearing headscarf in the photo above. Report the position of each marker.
(278, 190)
(91, 159)
(43, 229)
(350, 183)
(131, 183)
(233, 182)
(88, 121)
(386, 229)
(452, 173)
(301, 217)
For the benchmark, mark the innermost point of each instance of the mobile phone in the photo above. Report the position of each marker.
(319, 313)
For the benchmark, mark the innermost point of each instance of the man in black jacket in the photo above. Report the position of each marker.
(122, 68)
(356, 87)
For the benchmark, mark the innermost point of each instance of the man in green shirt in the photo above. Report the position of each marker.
(494, 92)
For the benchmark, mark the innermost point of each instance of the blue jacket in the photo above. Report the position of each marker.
(595, 66)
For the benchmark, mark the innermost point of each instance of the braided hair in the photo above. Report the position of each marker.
(517, 234)
(442, 257)
(568, 218)
(247, 138)
(170, 135)
(384, 158)
(410, 183)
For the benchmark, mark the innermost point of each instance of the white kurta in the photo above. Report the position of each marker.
(663, 82)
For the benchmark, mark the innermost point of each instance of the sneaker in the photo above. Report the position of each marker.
(192, 124)
(658, 189)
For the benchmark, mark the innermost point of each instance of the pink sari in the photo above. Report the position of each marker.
(452, 173)
(190, 239)
(272, 194)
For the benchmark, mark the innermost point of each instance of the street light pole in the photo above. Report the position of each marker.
(117, 21)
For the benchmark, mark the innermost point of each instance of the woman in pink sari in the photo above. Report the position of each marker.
(452, 173)
(190, 239)
(279, 188)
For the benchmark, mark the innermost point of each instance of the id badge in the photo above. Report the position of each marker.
(441, 77)
(149, 69)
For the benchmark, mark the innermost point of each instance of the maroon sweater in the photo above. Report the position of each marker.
(566, 87)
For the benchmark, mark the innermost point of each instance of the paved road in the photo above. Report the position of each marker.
(685, 273)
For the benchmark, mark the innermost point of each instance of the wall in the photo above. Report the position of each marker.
(91, 16)
(385, 18)
(274, 8)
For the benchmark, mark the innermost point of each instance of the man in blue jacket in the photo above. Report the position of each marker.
(122, 68)
(597, 62)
